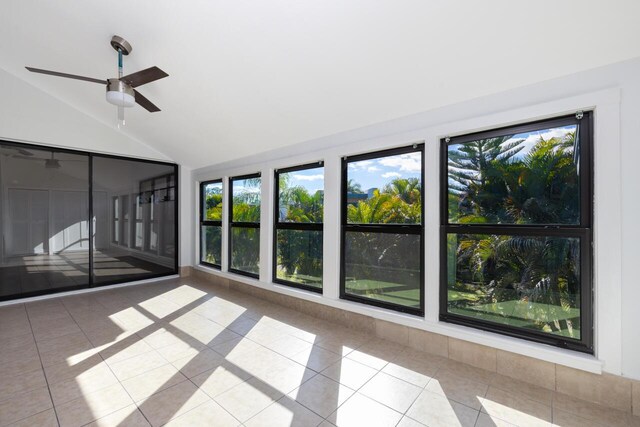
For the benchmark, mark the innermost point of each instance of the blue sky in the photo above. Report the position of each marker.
(376, 173)
(531, 138)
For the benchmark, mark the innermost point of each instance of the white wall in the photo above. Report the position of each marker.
(614, 91)
(186, 216)
(28, 114)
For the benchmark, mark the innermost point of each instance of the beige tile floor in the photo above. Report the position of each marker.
(183, 353)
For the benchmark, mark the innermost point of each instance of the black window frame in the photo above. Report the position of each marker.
(209, 223)
(299, 226)
(415, 229)
(583, 231)
(243, 224)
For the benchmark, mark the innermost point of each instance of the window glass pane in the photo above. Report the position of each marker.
(383, 266)
(301, 195)
(125, 221)
(386, 190)
(527, 178)
(212, 202)
(246, 200)
(245, 249)
(300, 256)
(146, 185)
(139, 235)
(523, 281)
(211, 244)
(45, 219)
(118, 263)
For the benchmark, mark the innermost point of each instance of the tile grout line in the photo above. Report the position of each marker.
(110, 370)
(53, 406)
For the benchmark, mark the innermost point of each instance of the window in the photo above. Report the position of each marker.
(124, 222)
(139, 223)
(299, 202)
(382, 260)
(158, 197)
(115, 214)
(516, 221)
(211, 223)
(244, 225)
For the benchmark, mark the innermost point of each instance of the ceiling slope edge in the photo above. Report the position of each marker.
(22, 93)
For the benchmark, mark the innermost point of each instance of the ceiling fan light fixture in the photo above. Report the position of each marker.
(52, 164)
(120, 94)
(120, 90)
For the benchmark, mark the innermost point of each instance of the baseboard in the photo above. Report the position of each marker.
(610, 391)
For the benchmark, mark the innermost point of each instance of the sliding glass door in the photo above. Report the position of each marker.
(143, 211)
(44, 211)
(54, 203)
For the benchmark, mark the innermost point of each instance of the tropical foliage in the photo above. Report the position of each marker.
(385, 266)
(212, 234)
(245, 241)
(299, 252)
(525, 281)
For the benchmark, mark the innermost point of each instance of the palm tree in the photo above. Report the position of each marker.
(406, 204)
(354, 187)
(475, 178)
(374, 210)
(301, 206)
(540, 187)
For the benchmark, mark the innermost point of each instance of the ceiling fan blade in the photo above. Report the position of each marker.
(144, 102)
(24, 152)
(69, 76)
(144, 76)
(16, 156)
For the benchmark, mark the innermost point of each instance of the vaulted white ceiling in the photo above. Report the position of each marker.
(251, 76)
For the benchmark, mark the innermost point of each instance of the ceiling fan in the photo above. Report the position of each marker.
(120, 91)
(48, 162)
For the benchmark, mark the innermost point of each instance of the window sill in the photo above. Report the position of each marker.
(535, 350)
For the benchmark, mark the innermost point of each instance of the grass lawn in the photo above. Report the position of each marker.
(301, 278)
(518, 313)
(395, 293)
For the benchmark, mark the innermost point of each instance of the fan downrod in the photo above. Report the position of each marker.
(121, 45)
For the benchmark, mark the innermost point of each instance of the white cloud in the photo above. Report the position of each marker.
(239, 189)
(373, 169)
(534, 137)
(391, 175)
(308, 177)
(361, 165)
(406, 162)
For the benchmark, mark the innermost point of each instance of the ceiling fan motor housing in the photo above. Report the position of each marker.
(120, 44)
(119, 93)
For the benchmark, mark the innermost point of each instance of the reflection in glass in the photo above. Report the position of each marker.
(528, 178)
(523, 281)
(45, 220)
(146, 220)
(383, 266)
(385, 190)
(246, 200)
(212, 201)
(300, 256)
(245, 249)
(211, 236)
(301, 196)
